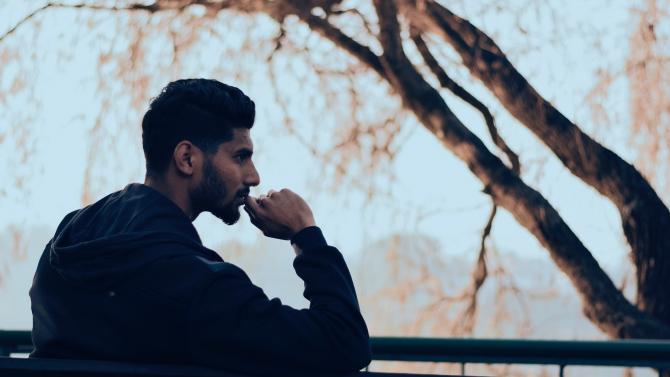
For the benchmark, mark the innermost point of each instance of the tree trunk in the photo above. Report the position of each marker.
(645, 218)
(602, 302)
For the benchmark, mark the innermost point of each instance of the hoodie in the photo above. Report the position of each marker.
(128, 279)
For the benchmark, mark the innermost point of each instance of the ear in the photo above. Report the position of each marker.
(186, 157)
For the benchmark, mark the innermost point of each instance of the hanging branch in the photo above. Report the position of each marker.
(479, 275)
(448, 83)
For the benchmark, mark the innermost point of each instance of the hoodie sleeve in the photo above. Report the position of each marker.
(233, 325)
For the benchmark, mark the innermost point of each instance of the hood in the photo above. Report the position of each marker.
(100, 244)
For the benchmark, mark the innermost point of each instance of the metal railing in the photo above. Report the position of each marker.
(15, 341)
(617, 353)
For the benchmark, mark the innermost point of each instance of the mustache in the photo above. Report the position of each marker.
(244, 192)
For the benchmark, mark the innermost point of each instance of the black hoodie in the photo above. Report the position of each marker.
(128, 279)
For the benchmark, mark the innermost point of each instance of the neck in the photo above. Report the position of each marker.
(177, 193)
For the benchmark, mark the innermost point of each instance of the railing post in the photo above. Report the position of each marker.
(463, 369)
(560, 370)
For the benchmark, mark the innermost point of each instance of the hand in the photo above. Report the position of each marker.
(279, 214)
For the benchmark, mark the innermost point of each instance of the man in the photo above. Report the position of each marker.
(127, 278)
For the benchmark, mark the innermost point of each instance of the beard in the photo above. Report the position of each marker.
(209, 194)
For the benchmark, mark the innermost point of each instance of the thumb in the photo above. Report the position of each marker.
(254, 220)
(251, 206)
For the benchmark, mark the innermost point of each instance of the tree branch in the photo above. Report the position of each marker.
(279, 41)
(463, 94)
(140, 7)
(601, 301)
(645, 218)
(479, 275)
(24, 20)
(156, 6)
(335, 35)
(354, 11)
(278, 10)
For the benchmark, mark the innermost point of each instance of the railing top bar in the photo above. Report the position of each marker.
(617, 344)
(10, 338)
(616, 352)
(628, 349)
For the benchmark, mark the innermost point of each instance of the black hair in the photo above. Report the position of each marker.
(202, 111)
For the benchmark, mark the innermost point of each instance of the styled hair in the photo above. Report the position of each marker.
(202, 111)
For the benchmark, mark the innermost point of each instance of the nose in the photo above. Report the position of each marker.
(252, 177)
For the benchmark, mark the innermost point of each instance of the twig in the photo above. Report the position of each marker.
(460, 92)
(151, 8)
(479, 275)
(335, 35)
(366, 24)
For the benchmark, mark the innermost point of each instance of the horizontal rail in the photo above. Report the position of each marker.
(15, 341)
(17, 367)
(622, 353)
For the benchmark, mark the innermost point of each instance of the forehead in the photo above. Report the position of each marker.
(241, 140)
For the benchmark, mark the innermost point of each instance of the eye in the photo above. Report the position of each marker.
(242, 157)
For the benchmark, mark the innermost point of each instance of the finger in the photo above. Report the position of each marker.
(255, 222)
(270, 192)
(253, 205)
(252, 217)
(248, 210)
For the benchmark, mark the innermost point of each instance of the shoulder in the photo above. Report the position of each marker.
(182, 276)
(196, 268)
(66, 220)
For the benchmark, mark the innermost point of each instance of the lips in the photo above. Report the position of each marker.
(240, 199)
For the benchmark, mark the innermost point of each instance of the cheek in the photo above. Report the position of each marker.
(233, 178)
(228, 182)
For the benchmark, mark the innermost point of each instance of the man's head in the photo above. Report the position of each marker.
(196, 140)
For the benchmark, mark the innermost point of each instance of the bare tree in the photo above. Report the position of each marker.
(644, 72)
(380, 46)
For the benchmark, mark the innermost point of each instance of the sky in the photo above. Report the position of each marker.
(433, 194)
